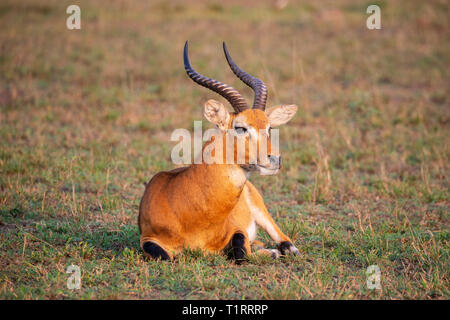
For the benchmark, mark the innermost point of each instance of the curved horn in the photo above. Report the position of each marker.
(232, 95)
(257, 85)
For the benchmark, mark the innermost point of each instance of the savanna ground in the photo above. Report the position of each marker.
(86, 118)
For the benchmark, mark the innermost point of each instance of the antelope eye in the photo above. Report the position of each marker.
(240, 130)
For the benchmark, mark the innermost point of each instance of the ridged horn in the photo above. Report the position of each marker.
(232, 95)
(257, 85)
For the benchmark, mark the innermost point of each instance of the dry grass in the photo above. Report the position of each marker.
(86, 118)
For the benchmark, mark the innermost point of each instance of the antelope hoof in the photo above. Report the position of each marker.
(155, 251)
(238, 251)
(286, 247)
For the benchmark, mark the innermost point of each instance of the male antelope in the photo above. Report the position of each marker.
(214, 207)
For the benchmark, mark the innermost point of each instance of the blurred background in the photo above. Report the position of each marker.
(86, 118)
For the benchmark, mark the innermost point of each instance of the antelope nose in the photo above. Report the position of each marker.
(275, 160)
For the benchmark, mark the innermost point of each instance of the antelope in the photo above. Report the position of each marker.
(213, 206)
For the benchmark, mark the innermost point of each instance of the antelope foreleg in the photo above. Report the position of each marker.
(264, 220)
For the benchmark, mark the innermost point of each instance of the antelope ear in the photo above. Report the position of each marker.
(215, 112)
(279, 115)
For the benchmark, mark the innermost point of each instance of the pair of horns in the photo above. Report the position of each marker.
(232, 95)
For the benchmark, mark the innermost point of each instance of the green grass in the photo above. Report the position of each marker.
(86, 118)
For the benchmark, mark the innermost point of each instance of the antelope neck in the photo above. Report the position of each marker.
(221, 180)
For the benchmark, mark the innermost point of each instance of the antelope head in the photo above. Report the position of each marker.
(250, 125)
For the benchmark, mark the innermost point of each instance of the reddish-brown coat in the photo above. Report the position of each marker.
(202, 206)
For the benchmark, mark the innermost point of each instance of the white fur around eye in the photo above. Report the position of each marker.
(281, 114)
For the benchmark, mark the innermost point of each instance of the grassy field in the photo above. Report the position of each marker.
(86, 117)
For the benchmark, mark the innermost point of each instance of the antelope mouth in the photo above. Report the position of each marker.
(267, 171)
(263, 170)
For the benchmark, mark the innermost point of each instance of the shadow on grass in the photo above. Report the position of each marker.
(61, 234)
(114, 239)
